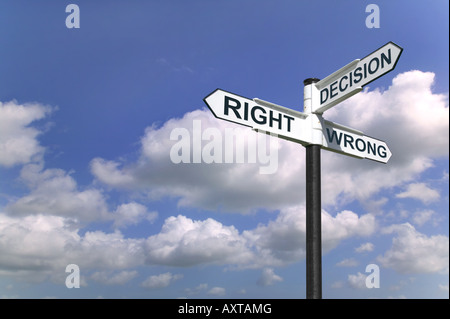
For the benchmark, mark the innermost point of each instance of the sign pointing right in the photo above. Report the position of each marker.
(344, 140)
(350, 79)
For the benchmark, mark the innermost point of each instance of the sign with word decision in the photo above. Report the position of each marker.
(259, 115)
(310, 128)
(350, 79)
(341, 139)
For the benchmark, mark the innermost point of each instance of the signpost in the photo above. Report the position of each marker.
(311, 130)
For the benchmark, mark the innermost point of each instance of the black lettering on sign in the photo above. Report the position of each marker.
(234, 108)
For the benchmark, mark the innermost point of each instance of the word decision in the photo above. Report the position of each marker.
(350, 79)
(354, 77)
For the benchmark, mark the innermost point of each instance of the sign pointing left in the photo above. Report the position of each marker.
(260, 116)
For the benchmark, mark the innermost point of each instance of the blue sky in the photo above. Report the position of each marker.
(86, 178)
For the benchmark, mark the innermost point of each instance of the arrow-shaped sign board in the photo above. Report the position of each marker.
(341, 139)
(260, 116)
(295, 126)
(350, 79)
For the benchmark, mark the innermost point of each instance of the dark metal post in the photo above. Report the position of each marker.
(313, 224)
(313, 202)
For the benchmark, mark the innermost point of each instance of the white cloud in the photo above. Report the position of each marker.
(205, 185)
(344, 225)
(18, 141)
(357, 281)
(421, 217)
(196, 290)
(414, 252)
(111, 278)
(107, 251)
(54, 192)
(283, 240)
(217, 291)
(196, 184)
(34, 242)
(396, 116)
(132, 214)
(185, 242)
(108, 172)
(268, 277)
(421, 192)
(408, 116)
(160, 281)
(40, 246)
(364, 247)
(349, 262)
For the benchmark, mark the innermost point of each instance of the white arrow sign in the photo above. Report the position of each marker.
(341, 139)
(295, 126)
(350, 79)
(259, 115)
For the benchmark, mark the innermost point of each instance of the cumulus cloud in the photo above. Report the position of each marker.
(109, 173)
(43, 245)
(160, 281)
(132, 214)
(54, 192)
(34, 242)
(45, 241)
(364, 248)
(413, 252)
(199, 184)
(113, 278)
(268, 277)
(217, 291)
(196, 290)
(421, 217)
(407, 115)
(18, 140)
(357, 281)
(284, 240)
(421, 192)
(185, 242)
(349, 262)
(391, 115)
